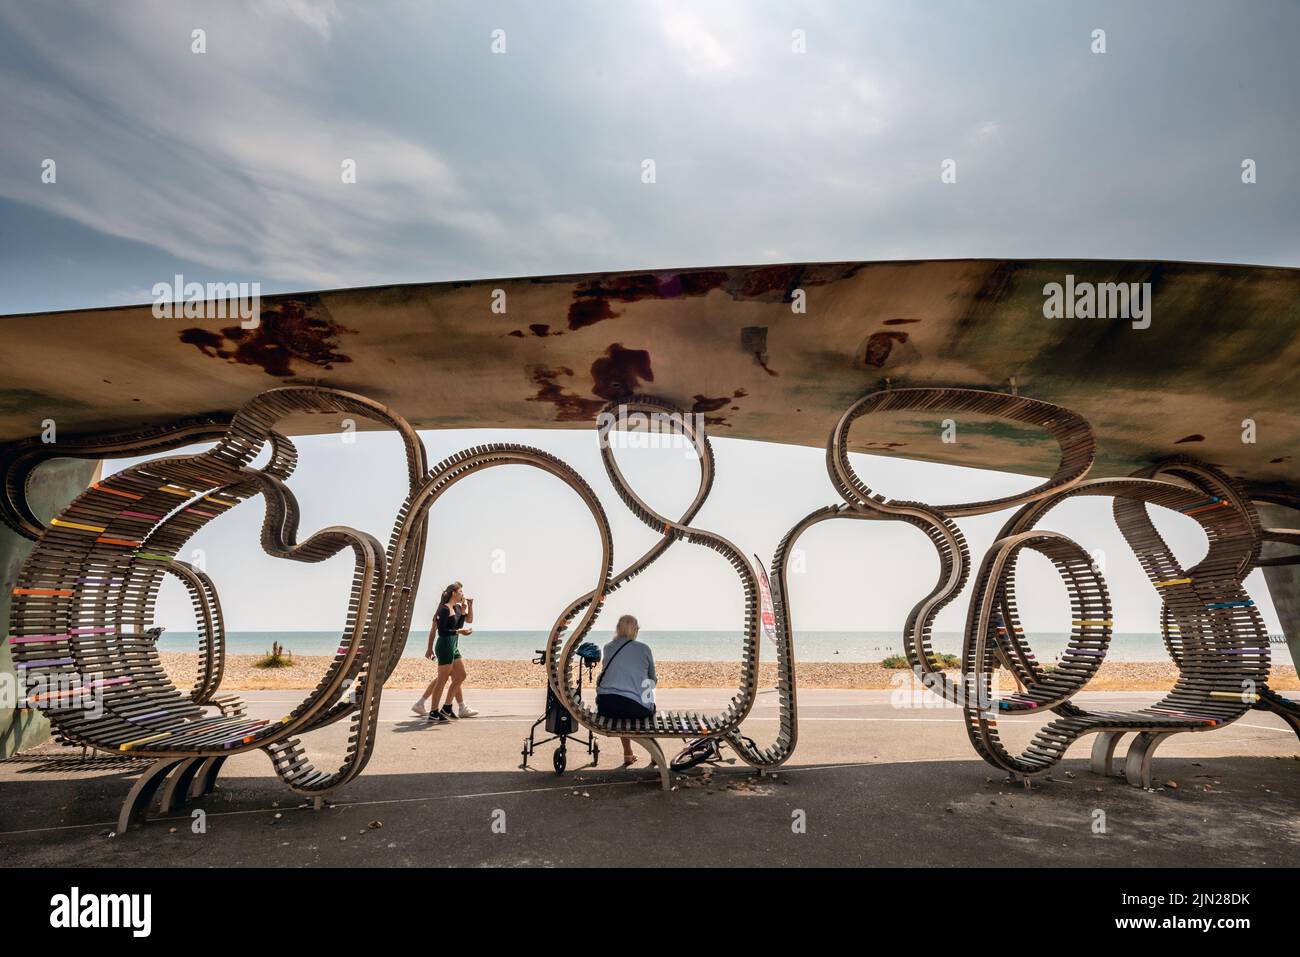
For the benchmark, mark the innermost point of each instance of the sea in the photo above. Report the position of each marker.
(850, 646)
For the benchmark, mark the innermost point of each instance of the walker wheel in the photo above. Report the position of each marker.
(560, 759)
(696, 753)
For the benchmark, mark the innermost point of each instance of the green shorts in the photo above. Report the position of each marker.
(447, 649)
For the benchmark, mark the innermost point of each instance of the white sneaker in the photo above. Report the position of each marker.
(420, 708)
(465, 711)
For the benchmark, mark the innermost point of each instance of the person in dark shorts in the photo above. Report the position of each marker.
(626, 686)
(454, 612)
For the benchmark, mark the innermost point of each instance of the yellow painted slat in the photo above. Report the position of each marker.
(85, 528)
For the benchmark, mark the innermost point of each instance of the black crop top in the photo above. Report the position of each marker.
(449, 624)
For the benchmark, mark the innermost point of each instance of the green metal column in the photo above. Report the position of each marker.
(53, 486)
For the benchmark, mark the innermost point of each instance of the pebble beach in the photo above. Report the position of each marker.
(416, 673)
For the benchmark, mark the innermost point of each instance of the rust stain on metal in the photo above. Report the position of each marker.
(592, 301)
(753, 339)
(698, 283)
(878, 446)
(705, 404)
(780, 282)
(880, 345)
(617, 373)
(208, 342)
(569, 406)
(588, 312)
(620, 371)
(766, 280)
(287, 333)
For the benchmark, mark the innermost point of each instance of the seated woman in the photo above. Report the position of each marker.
(626, 686)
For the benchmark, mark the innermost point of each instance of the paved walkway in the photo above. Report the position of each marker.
(872, 784)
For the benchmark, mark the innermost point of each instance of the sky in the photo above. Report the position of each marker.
(225, 166)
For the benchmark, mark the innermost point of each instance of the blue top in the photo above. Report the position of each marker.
(624, 675)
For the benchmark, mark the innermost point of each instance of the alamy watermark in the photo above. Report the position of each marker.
(652, 430)
(76, 909)
(910, 689)
(1098, 300)
(64, 690)
(215, 300)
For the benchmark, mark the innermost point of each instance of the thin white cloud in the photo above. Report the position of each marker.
(699, 49)
(851, 100)
(206, 157)
(985, 131)
(320, 15)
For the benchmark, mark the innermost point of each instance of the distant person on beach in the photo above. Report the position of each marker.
(625, 688)
(454, 612)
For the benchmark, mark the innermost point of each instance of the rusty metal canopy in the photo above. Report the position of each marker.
(1223, 347)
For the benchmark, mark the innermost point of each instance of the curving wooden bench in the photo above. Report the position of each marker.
(85, 597)
(97, 587)
(1223, 645)
(1217, 485)
(1077, 446)
(1221, 649)
(83, 605)
(577, 619)
(1226, 649)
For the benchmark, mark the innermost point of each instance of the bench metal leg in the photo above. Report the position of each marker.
(205, 779)
(1137, 766)
(657, 755)
(1290, 717)
(176, 791)
(137, 802)
(1103, 752)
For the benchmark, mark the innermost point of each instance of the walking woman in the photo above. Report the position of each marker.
(625, 688)
(454, 612)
